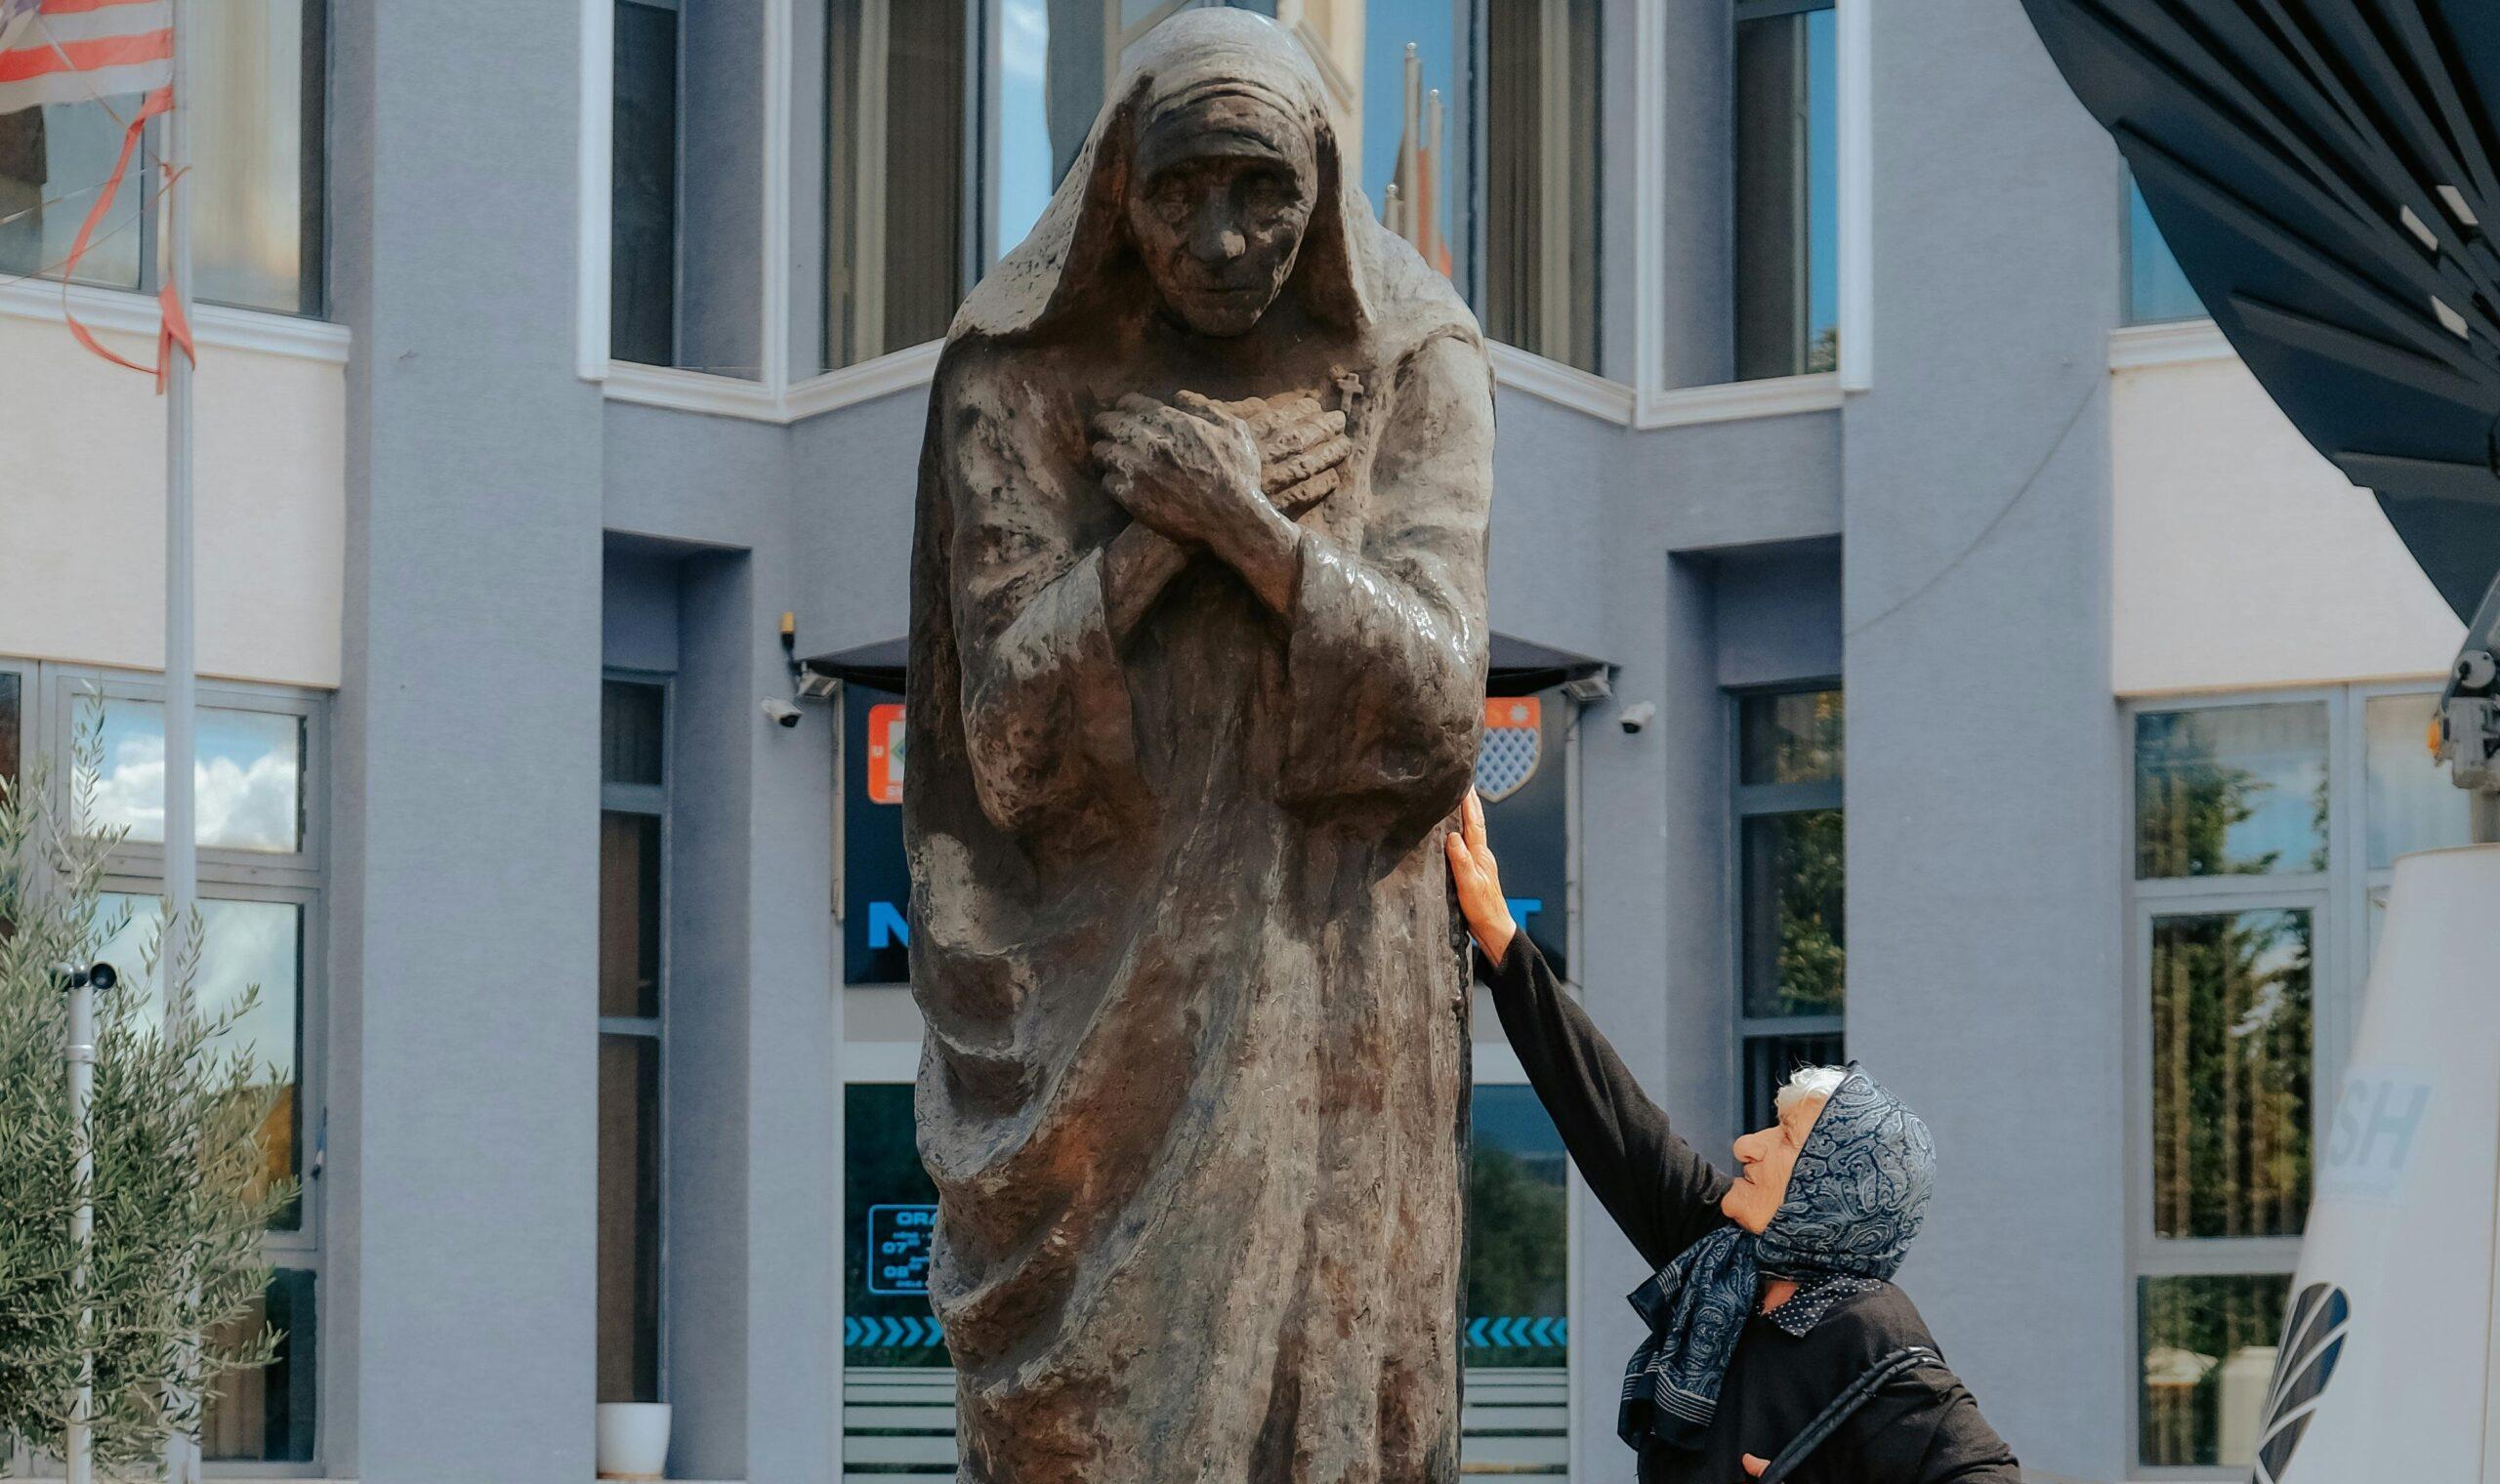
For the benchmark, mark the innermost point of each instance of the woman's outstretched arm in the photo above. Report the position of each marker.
(1659, 1190)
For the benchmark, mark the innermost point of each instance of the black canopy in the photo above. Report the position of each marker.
(1519, 668)
(2322, 170)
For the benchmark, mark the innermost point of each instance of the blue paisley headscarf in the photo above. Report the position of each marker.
(1854, 1206)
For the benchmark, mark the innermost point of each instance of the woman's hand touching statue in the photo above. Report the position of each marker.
(1478, 879)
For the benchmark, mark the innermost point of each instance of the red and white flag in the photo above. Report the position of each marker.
(69, 50)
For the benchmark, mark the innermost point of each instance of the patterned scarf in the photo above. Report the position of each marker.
(1854, 1206)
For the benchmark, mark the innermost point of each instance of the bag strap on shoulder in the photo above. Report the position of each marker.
(1842, 1408)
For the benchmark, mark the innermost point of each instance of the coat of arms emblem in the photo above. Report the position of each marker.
(1514, 736)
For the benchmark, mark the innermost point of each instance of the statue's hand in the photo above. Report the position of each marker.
(1302, 449)
(1190, 472)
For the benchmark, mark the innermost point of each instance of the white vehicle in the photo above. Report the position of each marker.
(2388, 1365)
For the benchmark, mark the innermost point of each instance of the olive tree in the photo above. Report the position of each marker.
(178, 1186)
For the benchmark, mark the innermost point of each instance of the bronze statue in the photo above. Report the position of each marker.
(1198, 667)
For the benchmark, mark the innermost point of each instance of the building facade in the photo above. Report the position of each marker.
(2031, 715)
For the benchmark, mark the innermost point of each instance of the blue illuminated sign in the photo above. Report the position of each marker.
(898, 1240)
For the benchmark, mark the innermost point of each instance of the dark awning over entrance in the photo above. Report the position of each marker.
(2325, 171)
(1519, 667)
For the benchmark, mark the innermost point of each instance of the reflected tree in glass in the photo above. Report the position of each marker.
(2230, 790)
(2231, 1073)
(1795, 898)
(2197, 1335)
(1517, 1222)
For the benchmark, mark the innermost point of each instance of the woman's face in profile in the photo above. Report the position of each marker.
(1217, 208)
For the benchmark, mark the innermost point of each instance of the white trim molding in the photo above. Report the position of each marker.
(1731, 401)
(1563, 385)
(122, 311)
(881, 376)
(756, 401)
(691, 391)
(2179, 342)
(1854, 106)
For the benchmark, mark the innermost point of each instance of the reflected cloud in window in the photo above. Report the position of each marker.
(248, 775)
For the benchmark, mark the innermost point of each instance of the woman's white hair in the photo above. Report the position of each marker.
(1809, 1082)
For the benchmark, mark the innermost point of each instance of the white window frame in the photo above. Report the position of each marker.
(2337, 900)
(49, 698)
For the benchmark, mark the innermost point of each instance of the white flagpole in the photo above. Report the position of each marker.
(182, 838)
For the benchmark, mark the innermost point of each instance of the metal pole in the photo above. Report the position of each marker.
(182, 842)
(78, 1449)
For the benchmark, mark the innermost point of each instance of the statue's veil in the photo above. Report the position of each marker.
(1070, 256)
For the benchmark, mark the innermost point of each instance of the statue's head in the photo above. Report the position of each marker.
(1214, 174)
(1221, 189)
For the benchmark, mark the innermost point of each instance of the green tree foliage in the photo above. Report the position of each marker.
(179, 1188)
(1813, 877)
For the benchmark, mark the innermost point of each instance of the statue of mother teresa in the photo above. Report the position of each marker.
(1198, 667)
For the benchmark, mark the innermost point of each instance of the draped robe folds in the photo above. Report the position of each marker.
(1192, 1090)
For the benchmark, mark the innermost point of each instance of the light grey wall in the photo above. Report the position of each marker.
(1984, 746)
(754, 1016)
(1778, 613)
(458, 1303)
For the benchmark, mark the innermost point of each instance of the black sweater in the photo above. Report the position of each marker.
(1921, 1429)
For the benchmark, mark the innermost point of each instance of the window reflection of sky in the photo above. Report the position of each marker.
(1822, 169)
(247, 774)
(1025, 175)
(1388, 26)
(243, 944)
(2275, 757)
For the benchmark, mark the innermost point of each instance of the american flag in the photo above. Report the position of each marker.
(69, 50)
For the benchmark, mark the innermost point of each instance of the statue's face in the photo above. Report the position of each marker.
(1217, 208)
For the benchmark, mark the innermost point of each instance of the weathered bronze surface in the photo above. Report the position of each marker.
(1197, 665)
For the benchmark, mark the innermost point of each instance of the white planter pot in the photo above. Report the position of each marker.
(632, 1440)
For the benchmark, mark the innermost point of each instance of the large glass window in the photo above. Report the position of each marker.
(2264, 830)
(1788, 188)
(2157, 288)
(1518, 1273)
(259, 70)
(642, 250)
(1791, 879)
(1472, 124)
(633, 755)
(2232, 791)
(261, 885)
(2205, 1355)
(248, 775)
(246, 948)
(2230, 1073)
(895, 119)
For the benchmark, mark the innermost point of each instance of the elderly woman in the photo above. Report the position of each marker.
(1772, 1294)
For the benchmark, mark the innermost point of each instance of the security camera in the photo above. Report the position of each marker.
(783, 711)
(100, 976)
(1635, 718)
